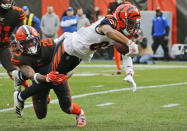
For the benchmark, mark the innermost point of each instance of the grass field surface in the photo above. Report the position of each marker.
(159, 104)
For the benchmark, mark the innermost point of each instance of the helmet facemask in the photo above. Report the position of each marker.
(28, 40)
(131, 26)
(128, 17)
(5, 4)
(30, 46)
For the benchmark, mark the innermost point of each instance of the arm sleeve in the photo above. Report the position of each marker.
(167, 30)
(152, 32)
(21, 17)
(166, 26)
(109, 21)
(62, 21)
(36, 20)
(166, 22)
(15, 60)
(66, 23)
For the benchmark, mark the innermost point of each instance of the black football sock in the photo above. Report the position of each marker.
(32, 90)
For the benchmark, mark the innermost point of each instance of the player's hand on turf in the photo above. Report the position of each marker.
(55, 78)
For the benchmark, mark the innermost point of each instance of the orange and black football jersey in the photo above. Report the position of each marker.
(43, 58)
(110, 20)
(9, 19)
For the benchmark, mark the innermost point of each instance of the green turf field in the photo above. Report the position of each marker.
(159, 85)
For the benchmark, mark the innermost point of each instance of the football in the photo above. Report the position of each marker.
(123, 49)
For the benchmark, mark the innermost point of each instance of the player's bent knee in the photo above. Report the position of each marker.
(66, 110)
(41, 115)
(40, 108)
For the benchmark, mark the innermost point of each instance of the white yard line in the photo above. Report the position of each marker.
(105, 104)
(105, 92)
(93, 74)
(86, 74)
(28, 102)
(170, 105)
(98, 86)
(139, 66)
(5, 77)
(3, 74)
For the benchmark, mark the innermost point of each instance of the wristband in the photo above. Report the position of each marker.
(37, 82)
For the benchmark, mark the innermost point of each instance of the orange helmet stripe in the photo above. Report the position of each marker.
(128, 9)
(120, 12)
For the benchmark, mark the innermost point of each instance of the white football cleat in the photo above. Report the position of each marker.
(17, 81)
(81, 119)
(130, 80)
(18, 105)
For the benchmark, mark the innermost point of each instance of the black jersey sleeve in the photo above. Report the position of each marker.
(20, 14)
(47, 47)
(16, 59)
(109, 20)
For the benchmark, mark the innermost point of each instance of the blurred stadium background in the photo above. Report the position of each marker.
(175, 10)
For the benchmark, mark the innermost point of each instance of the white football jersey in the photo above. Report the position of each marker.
(86, 41)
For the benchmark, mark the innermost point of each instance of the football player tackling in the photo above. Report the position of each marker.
(81, 45)
(33, 58)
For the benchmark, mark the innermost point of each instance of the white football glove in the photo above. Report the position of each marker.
(133, 48)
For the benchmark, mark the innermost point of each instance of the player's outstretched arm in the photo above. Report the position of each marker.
(29, 72)
(53, 77)
(114, 34)
(119, 37)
